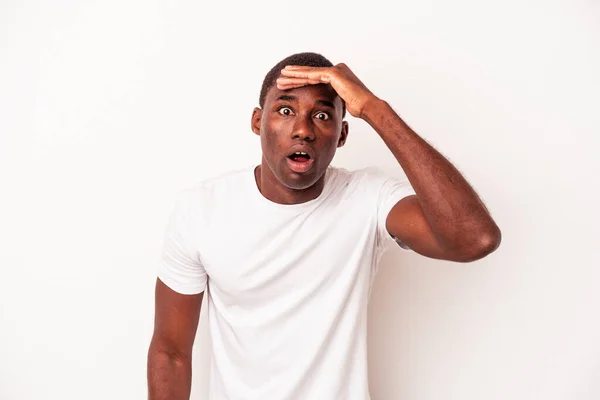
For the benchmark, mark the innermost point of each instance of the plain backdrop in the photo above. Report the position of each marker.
(109, 108)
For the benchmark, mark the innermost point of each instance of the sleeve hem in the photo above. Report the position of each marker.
(179, 288)
(388, 207)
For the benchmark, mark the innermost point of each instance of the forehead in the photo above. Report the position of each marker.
(309, 94)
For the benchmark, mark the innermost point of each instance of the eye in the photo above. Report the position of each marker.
(322, 116)
(285, 111)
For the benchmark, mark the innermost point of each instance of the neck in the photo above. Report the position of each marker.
(273, 190)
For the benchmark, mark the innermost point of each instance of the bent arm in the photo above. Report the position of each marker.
(170, 352)
(447, 219)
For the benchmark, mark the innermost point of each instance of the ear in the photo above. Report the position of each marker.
(256, 119)
(343, 134)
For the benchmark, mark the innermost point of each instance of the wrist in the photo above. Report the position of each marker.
(373, 108)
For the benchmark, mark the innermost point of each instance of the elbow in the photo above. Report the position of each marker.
(483, 245)
(490, 241)
(165, 351)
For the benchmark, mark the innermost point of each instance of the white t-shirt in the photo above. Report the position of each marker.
(287, 286)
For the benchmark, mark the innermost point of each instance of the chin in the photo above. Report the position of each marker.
(300, 184)
(299, 181)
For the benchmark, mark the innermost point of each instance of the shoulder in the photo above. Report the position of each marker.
(371, 183)
(218, 181)
(367, 177)
(212, 189)
(359, 184)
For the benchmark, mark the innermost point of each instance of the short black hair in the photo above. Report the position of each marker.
(304, 59)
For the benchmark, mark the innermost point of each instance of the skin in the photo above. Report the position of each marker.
(445, 220)
(169, 369)
(307, 118)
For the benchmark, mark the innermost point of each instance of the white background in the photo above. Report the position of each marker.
(109, 108)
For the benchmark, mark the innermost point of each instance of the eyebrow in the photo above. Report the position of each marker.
(325, 103)
(287, 98)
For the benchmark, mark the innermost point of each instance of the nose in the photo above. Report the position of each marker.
(302, 129)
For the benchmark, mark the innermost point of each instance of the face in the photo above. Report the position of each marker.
(300, 130)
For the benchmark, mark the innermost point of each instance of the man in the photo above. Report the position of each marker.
(287, 251)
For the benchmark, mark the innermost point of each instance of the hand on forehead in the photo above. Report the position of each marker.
(310, 93)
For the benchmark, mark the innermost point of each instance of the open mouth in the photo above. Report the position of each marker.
(300, 161)
(299, 156)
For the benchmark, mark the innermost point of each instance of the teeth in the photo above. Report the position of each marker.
(300, 152)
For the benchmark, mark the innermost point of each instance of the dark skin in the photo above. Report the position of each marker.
(307, 118)
(445, 220)
(170, 353)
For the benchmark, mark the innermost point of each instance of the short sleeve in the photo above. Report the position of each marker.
(180, 266)
(389, 190)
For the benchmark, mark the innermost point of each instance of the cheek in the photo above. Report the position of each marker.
(330, 148)
(270, 141)
(333, 138)
(275, 127)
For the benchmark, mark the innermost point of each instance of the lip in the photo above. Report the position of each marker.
(300, 167)
(303, 149)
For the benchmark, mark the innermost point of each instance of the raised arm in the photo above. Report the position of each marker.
(446, 219)
(170, 354)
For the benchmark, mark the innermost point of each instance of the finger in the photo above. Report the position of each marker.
(317, 76)
(298, 81)
(292, 86)
(301, 73)
(289, 87)
(295, 83)
(302, 67)
(292, 83)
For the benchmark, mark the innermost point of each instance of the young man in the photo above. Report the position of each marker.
(287, 251)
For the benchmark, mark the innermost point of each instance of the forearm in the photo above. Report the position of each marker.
(169, 376)
(452, 208)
